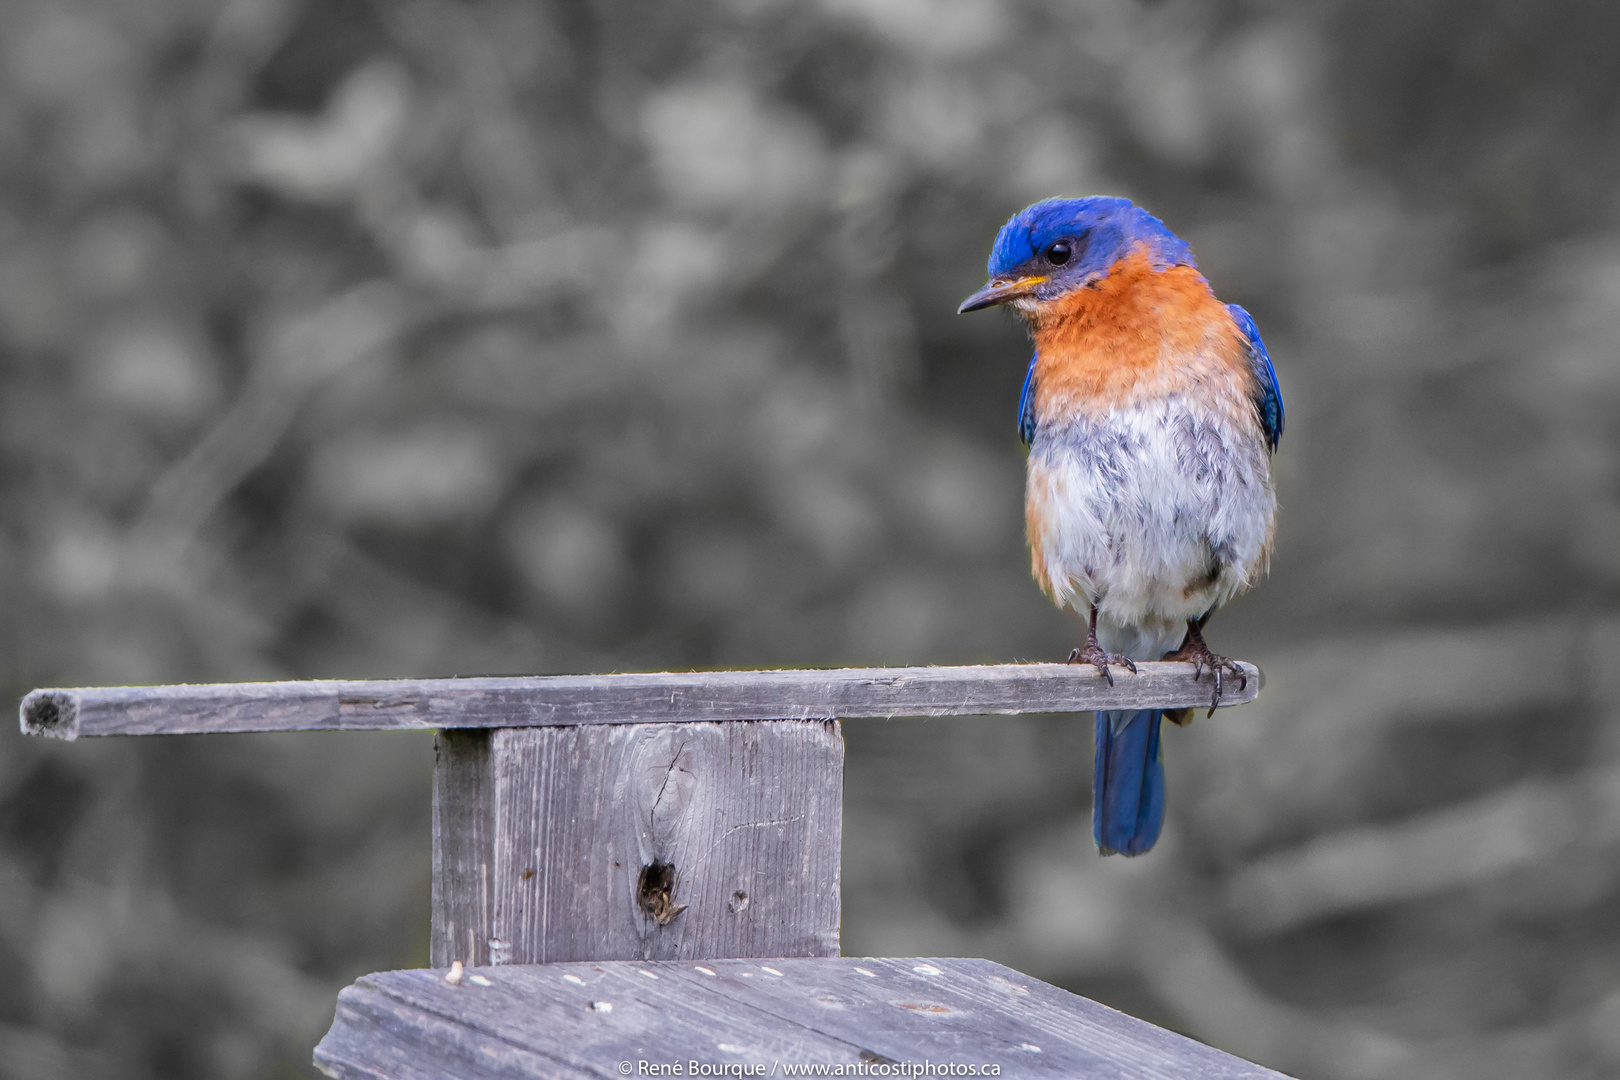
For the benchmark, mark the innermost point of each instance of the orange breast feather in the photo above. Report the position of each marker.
(1135, 335)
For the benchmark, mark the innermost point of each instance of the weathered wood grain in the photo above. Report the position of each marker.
(618, 699)
(658, 841)
(463, 846)
(583, 1020)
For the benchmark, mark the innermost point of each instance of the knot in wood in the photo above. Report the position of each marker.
(665, 761)
(655, 892)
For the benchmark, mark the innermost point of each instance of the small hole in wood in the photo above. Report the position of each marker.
(738, 901)
(655, 892)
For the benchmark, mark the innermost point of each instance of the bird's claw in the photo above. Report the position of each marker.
(1092, 653)
(1197, 653)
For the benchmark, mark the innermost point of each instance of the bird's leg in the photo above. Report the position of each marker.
(1195, 652)
(1092, 653)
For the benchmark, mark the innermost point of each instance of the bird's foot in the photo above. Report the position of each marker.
(1092, 653)
(1198, 654)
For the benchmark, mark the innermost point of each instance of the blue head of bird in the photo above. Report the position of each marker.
(1058, 245)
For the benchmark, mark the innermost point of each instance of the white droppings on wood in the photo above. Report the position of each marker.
(453, 976)
(704, 970)
(1007, 986)
(575, 979)
(771, 970)
(479, 980)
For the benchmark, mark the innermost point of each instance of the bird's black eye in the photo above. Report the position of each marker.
(1058, 253)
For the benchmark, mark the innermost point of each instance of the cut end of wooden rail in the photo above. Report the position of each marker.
(53, 713)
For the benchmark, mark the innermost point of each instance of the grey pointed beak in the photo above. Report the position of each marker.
(999, 291)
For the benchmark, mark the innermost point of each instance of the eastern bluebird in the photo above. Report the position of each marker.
(1151, 411)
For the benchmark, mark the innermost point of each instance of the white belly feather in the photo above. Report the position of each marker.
(1154, 513)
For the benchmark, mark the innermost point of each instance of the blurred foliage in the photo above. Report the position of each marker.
(363, 338)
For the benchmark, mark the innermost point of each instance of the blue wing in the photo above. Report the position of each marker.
(1268, 399)
(1026, 406)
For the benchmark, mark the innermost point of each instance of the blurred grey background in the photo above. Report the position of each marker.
(363, 338)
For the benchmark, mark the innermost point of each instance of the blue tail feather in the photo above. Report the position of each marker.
(1127, 807)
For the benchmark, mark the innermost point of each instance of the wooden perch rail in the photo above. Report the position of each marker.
(566, 700)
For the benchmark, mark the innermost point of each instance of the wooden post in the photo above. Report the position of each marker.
(637, 842)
